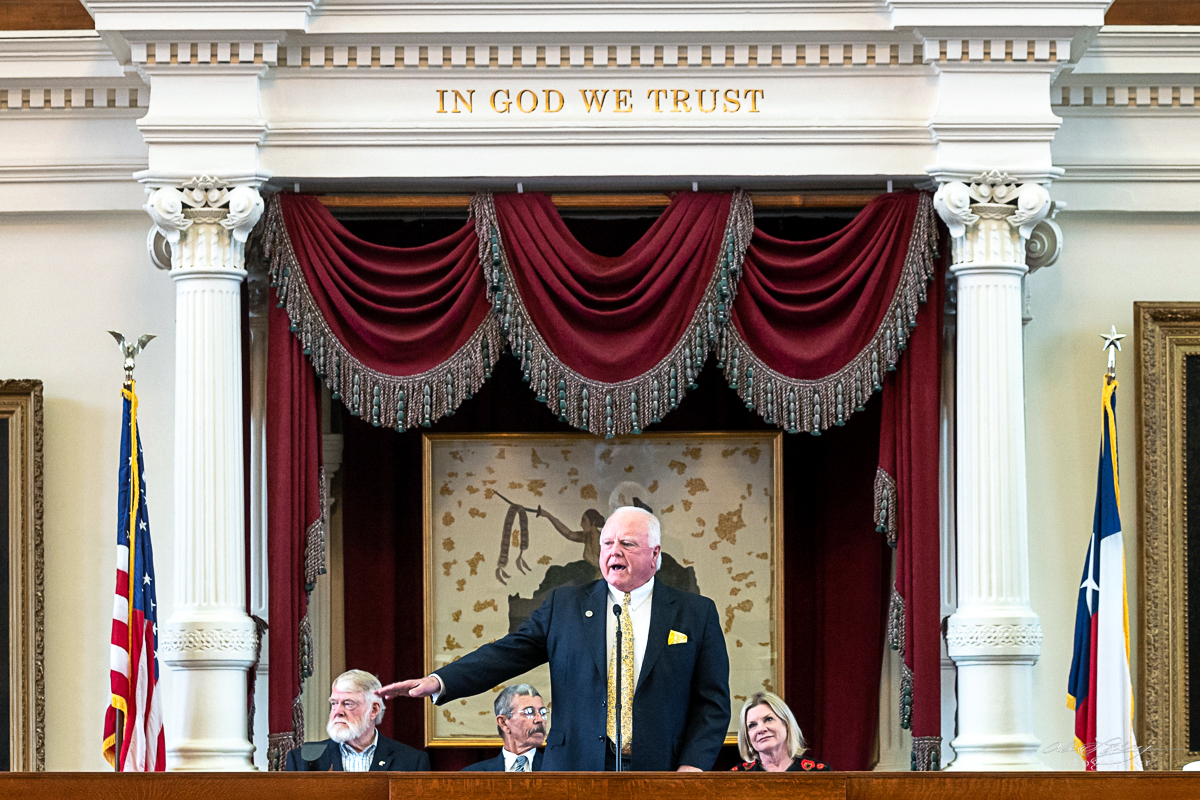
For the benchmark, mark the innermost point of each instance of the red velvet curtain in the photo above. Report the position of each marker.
(907, 508)
(295, 518)
(805, 336)
(609, 319)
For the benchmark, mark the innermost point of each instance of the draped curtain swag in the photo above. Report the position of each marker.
(805, 332)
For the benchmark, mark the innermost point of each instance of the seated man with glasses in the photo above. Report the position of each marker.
(521, 718)
(354, 745)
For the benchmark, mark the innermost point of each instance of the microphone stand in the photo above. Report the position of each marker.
(618, 668)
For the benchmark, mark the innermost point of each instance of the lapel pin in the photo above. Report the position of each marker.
(587, 613)
(381, 763)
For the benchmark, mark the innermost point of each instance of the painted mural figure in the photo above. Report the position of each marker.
(575, 573)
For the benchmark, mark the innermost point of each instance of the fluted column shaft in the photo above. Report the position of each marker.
(209, 640)
(994, 637)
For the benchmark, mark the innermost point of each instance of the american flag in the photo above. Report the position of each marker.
(133, 660)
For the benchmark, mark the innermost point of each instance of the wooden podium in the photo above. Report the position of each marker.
(601, 786)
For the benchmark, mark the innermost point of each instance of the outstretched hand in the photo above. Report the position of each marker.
(418, 687)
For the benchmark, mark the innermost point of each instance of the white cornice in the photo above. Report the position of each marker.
(1126, 173)
(200, 15)
(1127, 49)
(56, 54)
(70, 173)
(337, 135)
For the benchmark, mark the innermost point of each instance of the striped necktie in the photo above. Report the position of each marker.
(627, 686)
(520, 764)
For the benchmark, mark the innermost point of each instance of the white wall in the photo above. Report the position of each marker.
(1109, 261)
(65, 279)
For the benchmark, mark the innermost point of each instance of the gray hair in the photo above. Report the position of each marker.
(357, 681)
(653, 528)
(795, 739)
(506, 698)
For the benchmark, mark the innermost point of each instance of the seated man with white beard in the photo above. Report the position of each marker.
(354, 745)
(521, 719)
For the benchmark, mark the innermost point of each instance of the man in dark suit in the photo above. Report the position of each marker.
(676, 717)
(354, 744)
(521, 720)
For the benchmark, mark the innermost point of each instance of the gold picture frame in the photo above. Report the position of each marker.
(728, 484)
(21, 483)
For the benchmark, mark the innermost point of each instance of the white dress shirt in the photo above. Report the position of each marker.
(639, 611)
(511, 758)
(354, 761)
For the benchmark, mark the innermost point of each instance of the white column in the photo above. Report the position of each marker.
(994, 637)
(257, 486)
(209, 640)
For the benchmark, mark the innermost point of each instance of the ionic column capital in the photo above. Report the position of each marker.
(992, 218)
(202, 224)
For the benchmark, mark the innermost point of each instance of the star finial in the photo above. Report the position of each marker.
(1112, 343)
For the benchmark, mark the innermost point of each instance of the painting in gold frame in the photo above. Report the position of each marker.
(21, 512)
(1168, 421)
(508, 517)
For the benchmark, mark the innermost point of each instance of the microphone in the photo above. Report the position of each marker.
(618, 669)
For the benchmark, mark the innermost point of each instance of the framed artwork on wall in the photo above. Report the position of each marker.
(1168, 422)
(23, 707)
(510, 517)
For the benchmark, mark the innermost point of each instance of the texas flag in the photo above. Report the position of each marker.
(1100, 691)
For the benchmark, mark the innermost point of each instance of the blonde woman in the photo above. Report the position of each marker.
(769, 738)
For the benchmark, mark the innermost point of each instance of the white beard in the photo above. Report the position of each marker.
(342, 731)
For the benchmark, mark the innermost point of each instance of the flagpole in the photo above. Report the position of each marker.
(130, 351)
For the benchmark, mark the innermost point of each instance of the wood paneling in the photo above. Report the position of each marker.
(44, 15)
(1153, 12)
(591, 201)
(593, 786)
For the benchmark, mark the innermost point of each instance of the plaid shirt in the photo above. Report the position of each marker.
(353, 761)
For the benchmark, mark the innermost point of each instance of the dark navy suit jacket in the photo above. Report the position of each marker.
(390, 756)
(496, 764)
(680, 705)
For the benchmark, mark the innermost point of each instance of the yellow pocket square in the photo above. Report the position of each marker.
(675, 637)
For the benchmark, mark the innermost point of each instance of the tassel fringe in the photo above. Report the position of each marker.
(926, 753)
(895, 622)
(280, 744)
(314, 539)
(608, 409)
(886, 505)
(906, 695)
(814, 405)
(398, 402)
(613, 409)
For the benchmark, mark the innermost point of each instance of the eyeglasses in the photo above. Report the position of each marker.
(530, 712)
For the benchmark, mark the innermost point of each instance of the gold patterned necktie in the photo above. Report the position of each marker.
(627, 686)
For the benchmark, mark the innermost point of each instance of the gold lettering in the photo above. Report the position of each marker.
(736, 105)
(623, 101)
(466, 101)
(521, 105)
(592, 100)
(753, 102)
(700, 100)
(657, 94)
(442, 100)
(548, 109)
(507, 102)
(677, 100)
